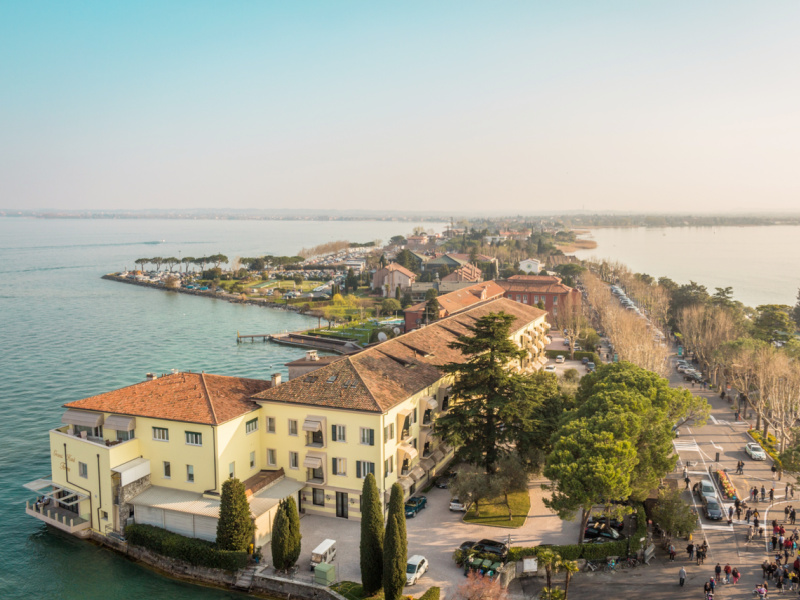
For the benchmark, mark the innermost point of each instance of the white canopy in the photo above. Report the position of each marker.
(409, 451)
(120, 423)
(82, 418)
(311, 424)
(312, 462)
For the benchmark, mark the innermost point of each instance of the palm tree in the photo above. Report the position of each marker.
(551, 562)
(188, 260)
(569, 568)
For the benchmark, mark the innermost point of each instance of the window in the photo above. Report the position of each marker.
(124, 436)
(83, 470)
(414, 416)
(367, 436)
(364, 468)
(536, 299)
(161, 434)
(271, 457)
(292, 427)
(252, 460)
(270, 424)
(167, 470)
(525, 298)
(293, 460)
(251, 425)
(555, 311)
(388, 432)
(318, 497)
(105, 516)
(518, 297)
(190, 473)
(388, 466)
(413, 443)
(445, 403)
(555, 300)
(194, 439)
(339, 466)
(232, 470)
(338, 433)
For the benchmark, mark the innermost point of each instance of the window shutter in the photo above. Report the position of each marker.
(333, 433)
(371, 437)
(358, 469)
(334, 466)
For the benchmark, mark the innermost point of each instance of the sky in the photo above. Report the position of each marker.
(476, 106)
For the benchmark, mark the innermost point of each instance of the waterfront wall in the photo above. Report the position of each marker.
(275, 587)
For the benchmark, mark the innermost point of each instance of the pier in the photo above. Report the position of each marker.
(304, 341)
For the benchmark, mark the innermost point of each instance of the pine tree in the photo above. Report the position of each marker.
(235, 526)
(395, 547)
(371, 537)
(286, 535)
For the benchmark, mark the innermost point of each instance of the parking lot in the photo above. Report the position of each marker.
(434, 533)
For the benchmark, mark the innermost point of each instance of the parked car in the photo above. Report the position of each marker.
(577, 348)
(755, 451)
(560, 358)
(585, 360)
(414, 505)
(550, 368)
(590, 367)
(467, 546)
(712, 509)
(598, 532)
(566, 342)
(443, 481)
(492, 547)
(415, 568)
(457, 505)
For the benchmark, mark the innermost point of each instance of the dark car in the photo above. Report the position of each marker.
(492, 547)
(617, 524)
(467, 546)
(443, 481)
(712, 509)
(598, 532)
(414, 505)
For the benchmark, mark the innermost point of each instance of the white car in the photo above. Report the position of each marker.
(457, 506)
(550, 369)
(415, 568)
(560, 358)
(755, 451)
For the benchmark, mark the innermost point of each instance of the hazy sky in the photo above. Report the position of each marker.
(507, 106)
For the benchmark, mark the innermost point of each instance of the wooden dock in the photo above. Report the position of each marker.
(304, 340)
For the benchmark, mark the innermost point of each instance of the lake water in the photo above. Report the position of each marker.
(760, 263)
(67, 334)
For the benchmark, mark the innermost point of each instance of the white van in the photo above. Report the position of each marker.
(324, 553)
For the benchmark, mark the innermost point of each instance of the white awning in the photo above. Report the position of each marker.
(427, 463)
(408, 450)
(49, 489)
(417, 473)
(312, 462)
(312, 425)
(120, 423)
(432, 404)
(437, 456)
(406, 483)
(82, 418)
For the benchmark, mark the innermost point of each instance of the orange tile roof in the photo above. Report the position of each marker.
(535, 283)
(400, 268)
(454, 302)
(382, 376)
(188, 397)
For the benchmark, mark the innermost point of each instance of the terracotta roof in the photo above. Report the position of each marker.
(544, 284)
(460, 300)
(188, 397)
(322, 360)
(468, 272)
(382, 376)
(400, 268)
(465, 257)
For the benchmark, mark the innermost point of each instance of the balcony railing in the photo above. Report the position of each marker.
(60, 518)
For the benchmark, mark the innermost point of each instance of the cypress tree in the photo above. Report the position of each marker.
(235, 526)
(395, 547)
(371, 537)
(286, 535)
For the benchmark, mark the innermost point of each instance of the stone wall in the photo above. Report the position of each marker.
(288, 588)
(127, 492)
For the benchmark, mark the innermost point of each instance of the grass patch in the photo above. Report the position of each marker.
(354, 591)
(495, 512)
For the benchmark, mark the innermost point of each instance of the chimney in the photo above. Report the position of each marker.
(312, 355)
(276, 379)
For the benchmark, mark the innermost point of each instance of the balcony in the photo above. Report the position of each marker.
(60, 518)
(66, 430)
(314, 440)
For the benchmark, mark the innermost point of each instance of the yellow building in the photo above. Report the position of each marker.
(157, 452)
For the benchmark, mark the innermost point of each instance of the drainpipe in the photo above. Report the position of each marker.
(99, 490)
(214, 438)
(66, 473)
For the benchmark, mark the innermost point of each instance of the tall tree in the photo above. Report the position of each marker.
(395, 547)
(235, 525)
(141, 262)
(773, 323)
(492, 403)
(372, 533)
(672, 515)
(286, 535)
(432, 307)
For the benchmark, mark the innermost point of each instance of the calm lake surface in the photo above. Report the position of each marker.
(67, 334)
(761, 264)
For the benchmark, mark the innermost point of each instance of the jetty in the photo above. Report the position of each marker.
(303, 340)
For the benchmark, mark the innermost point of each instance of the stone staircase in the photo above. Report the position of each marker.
(244, 579)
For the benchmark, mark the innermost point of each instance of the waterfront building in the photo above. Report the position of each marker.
(158, 451)
(532, 289)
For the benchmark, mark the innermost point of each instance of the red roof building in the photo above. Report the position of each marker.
(454, 302)
(532, 289)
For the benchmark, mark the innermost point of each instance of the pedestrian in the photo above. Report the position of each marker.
(773, 542)
(741, 469)
(735, 574)
(763, 493)
(774, 471)
(793, 516)
(786, 513)
(791, 490)
(730, 513)
(685, 472)
(771, 494)
(686, 479)
(671, 552)
(707, 588)
(713, 583)
(779, 584)
(717, 571)
(728, 571)
(755, 522)
(682, 576)
(786, 494)
(748, 513)
(690, 550)
(738, 513)
(765, 568)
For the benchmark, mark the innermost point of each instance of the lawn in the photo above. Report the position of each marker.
(354, 591)
(495, 512)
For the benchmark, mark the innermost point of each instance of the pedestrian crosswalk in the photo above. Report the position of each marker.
(685, 446)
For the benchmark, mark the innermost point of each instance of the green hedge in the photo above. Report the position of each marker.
(192, 550)
(431, 594)
(770, 446)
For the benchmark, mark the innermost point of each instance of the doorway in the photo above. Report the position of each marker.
(341, 505)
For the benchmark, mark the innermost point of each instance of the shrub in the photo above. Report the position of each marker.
(286, 535)
(192, 550)
(431, 594)
(601, 551)
(641, 530)
(235, 525)
(770, 445)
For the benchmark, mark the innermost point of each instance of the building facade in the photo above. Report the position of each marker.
(547, 289)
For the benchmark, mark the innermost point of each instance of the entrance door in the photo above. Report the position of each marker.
(341, 505)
